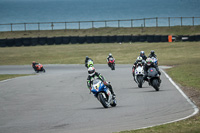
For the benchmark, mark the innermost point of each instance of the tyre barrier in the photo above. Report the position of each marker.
(95, 39)
(66, 40)
(26, 41)
(58, 40)
(50, 40)
(89, 39)
(42, 40)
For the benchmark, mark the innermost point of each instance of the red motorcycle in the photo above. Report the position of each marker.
(111, 63)
(38, 68)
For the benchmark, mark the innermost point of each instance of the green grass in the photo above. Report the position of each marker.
(9, 76)
(175, 30)
(184, 56)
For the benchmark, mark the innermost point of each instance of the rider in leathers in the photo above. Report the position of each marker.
(92, 74)
(34, 65)
(109, 56)
(142, 54)
(150, 63)
(152, 54)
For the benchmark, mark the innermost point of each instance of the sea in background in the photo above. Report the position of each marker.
(29, 11)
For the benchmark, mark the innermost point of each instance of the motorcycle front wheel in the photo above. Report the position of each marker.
(155, 84)
(103, 100)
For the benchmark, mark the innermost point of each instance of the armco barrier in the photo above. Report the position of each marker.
(66, 40)
(157, 38)
(164, 38)
(50, 40)
(42, 40)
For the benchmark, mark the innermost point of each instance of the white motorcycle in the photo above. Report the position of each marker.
(138, 74)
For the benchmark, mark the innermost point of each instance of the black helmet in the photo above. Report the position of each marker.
(142, 53)
(152, 52)
(86, 57)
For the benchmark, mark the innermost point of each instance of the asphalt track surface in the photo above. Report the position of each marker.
(58, 101)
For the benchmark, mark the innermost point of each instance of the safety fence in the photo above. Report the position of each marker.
(144, 22)
(94, 39)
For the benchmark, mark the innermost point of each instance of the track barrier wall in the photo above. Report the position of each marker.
(95, 39)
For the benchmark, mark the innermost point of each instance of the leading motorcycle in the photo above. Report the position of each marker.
(39, 68)
(103, 94)
(154, 78)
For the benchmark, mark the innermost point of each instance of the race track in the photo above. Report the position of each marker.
(58, 101)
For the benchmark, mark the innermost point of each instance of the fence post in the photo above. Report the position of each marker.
(65, 25)
(181, 21)
(193, 21)
(52, 25)
(169, 21)
(156, 21)
(131, 23)
(144, 22)
(105, 24)
(38, 26)
(79, 25)
(92, 24)
(11, 26)
(24, 26)
(118, 23)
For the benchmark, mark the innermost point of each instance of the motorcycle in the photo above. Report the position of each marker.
(39, 68)
(103, 94)
(138, 75)
(111, 63)
(154, 78)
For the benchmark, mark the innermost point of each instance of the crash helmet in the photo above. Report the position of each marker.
(86, 57)
(152, 52)
(142, 53)
(33, 62)
(91, 71)
(149, 61)
(90, 63)
(110, 55)
(139, 60)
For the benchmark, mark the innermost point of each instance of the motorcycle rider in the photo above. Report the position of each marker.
(34, 65)
(109, 56)
(152, 54)
(142, 54)
(86, 61)
(92, 74)
(150, 63)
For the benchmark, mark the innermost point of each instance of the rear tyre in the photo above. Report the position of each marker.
(103, 100)
(155, 84)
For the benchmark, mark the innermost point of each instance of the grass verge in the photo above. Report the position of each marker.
(9, 76)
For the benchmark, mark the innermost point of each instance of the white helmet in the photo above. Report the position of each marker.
(110, 54)
(91, 71)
